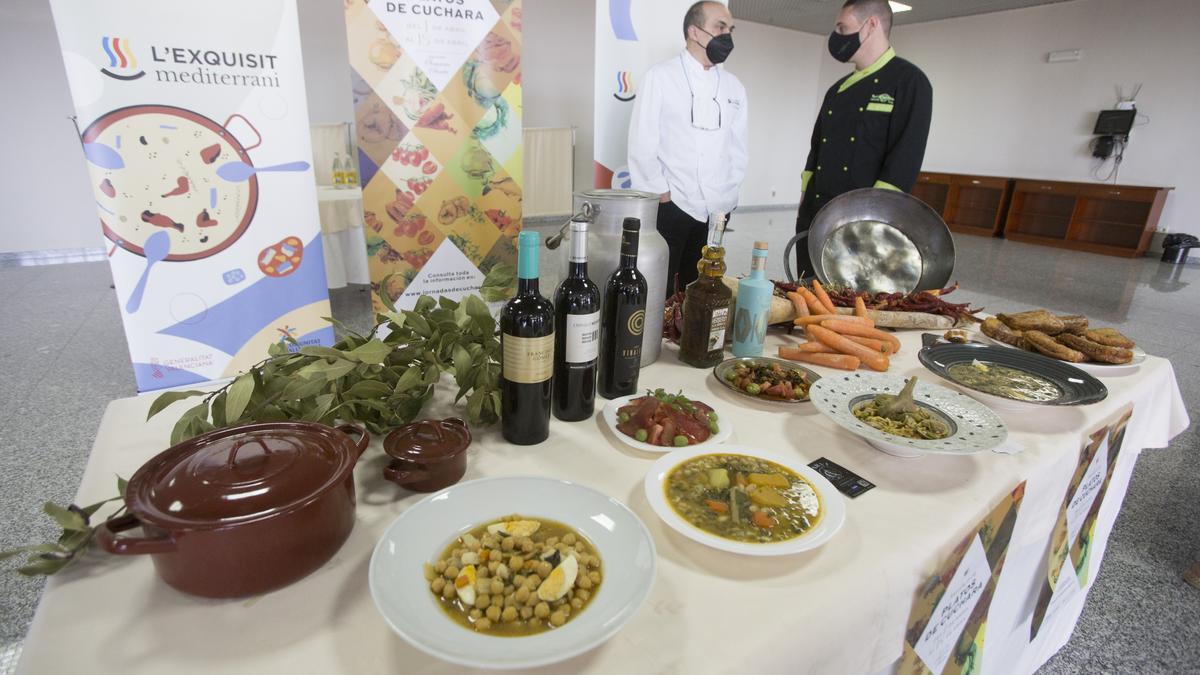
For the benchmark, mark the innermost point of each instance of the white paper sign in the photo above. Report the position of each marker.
(438, 35)
(1081, 502)
(950, 617)
(447, 273)
(1065, 591)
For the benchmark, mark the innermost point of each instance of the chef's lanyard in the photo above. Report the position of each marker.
(693, 94)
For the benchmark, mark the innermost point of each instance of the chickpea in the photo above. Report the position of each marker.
(496, 587)
(569, 539)
(489, 540)
(438, 584)
(427, 570)
(579, 546)
(482, 573)
(519, 580)
(583, 595)
(516, 562)
(509, 614)
(532, 582)
(483, 624)
(493, 566)
(496, 555)
(584, 581)
(594, 576)
(476, 614)
(457, 553)
(471, 542)
(471, 558)
(510, 600)
(449, 592)
(577, 603)
(544, 569)
(542, 610)
(482, 586)
(527, 546)
(502, 571)
(531, 565)
(451, 572)
(526, 613)
(507, 544)
(493, 613)
(482, 600)
(558, 619)
(552, 541)
(522, 594)
(439, 566)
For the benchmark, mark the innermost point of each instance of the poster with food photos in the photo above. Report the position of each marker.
(948, 621)
(1068, 566)
(437, 105)
(194, 126)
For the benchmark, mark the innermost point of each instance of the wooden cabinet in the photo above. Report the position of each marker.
(1110, 219)
(968, 204)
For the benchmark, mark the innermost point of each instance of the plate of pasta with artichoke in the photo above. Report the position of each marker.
(907, 418)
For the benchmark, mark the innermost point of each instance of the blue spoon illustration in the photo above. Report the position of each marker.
(236, 172)
(156, 248)
(103, 156)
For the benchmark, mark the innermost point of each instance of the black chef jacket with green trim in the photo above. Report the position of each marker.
(871, 132)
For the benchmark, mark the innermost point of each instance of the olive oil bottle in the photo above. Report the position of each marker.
(706, 303)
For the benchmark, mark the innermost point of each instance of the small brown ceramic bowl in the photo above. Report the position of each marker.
(427, 455)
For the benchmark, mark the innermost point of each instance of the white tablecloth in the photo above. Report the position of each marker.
(839, 609)
(342, 236)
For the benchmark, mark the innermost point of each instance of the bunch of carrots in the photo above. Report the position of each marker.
(841, 341)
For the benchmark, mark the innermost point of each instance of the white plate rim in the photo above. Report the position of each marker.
(831, 501)
(609, 415)
(875, 436)
(609, 629)
(1093, 367)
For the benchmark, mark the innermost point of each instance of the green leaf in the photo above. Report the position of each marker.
(66, 518)
(217, 407)
(74, 539)
(462, 364)
(342, 328)
(183, 428)
(168, 398)
(90, 511)
(501, 276)
(410, 379)
(323, 403)
(44, 567)
(300, 388)
(369, 389)
(375, 351)
(475, 405)
(35, 548)
(239, 395)
(122, 485)
(495, 294)
(432, 374)
(424, 304)
(276, 349)
(323, 352)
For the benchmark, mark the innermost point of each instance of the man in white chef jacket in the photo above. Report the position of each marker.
(687, 137)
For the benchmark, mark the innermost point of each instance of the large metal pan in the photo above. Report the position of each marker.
(879, 241)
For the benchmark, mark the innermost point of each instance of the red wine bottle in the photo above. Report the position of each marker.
(576, 334)
(527, 353)
(624, 319)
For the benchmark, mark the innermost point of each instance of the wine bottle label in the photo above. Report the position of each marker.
(631, 322)
(716, 330)
(528, 360)
(583, 337)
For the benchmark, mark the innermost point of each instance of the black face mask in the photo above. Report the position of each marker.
(719, 47)
(844, 47)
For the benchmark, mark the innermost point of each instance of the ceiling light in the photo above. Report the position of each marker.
(899, 6)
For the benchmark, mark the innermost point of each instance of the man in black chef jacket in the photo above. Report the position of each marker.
(873, 124)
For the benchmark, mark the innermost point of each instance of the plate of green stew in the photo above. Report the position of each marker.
(943, 421)
(744, 500)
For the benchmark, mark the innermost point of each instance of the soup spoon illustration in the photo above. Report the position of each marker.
(156, 248)
(103, 156)
(236, 172)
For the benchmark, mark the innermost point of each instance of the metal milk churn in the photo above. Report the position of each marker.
(605, 211)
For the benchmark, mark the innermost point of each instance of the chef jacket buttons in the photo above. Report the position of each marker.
(845, 168)
(861, 109)
(824, 140)
(851, 139)
(829, 111)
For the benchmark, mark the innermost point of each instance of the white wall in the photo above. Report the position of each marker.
(1001, 109)
(779, 68)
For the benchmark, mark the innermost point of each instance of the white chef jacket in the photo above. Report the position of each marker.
(702, 169)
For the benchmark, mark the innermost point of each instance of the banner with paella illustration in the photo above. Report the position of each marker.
(631, 36)
(194, 127)
(1068, 567)
(948, 622)
(437, 106)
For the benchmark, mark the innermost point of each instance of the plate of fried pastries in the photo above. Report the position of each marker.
(1070, 338)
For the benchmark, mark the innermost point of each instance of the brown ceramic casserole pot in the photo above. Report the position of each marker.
(243, 510)
(429, 455)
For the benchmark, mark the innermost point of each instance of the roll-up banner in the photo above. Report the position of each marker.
(631, 36)
(437, 104)
(195, 130)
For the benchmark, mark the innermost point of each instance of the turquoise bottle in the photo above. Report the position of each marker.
(753, 305)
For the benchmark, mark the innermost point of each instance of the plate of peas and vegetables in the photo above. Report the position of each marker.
(766, 379)
(658, 421)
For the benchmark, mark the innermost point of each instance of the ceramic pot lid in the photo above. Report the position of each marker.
(428, 440)
(240, 474)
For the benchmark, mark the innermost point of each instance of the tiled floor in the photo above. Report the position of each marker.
(64, 357)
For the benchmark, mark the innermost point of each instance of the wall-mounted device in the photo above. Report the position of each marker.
(1112, 128)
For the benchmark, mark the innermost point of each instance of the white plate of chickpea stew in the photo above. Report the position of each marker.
(507, 573)
(744, 500)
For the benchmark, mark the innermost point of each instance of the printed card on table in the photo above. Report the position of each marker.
(1074, 532)
(948, 622)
